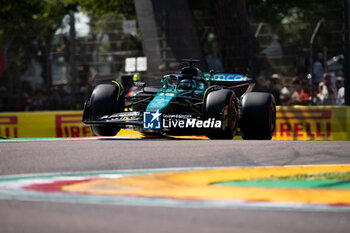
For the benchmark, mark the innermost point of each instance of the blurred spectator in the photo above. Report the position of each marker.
(83, 72)
(54, 101)
(274, 88)
(339, 83)
(286, 91)
(65, 97)
(3, 99)
(295, 97)
(92, 75)
(318, 69)
(39, 101)
(305, 93)
(29, 101)
(341, 91)
(261, 85)
(326, 91)
(17, 99)
(85, 77)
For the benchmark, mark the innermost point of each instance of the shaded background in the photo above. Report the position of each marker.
(54, 52)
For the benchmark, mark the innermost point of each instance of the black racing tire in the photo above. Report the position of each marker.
(106, 99)
(258, 116)
(215, 104)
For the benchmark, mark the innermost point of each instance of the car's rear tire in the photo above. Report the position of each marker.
(221, 105)
(106, 99)
(258, 116)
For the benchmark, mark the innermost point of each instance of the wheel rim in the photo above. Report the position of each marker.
(272, 118)
(231, 116)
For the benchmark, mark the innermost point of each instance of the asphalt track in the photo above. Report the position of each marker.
(114, 154)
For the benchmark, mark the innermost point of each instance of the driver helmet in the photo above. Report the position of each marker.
(136, 77)
(185, 84)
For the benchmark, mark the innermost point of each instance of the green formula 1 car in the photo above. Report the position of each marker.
(219, 106)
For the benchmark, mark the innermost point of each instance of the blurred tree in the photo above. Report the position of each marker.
(232, 30)
(101, 7)
(277, 11)
(107, 17)
(293, 22)
(203, 15)
(299, 16)
(27, 29)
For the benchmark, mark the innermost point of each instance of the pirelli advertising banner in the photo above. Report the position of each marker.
(43, 124)
(293, 123)
(313, 123)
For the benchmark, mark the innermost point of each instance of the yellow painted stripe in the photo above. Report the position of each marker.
(129, 133)
(196, 185)
(190, 137)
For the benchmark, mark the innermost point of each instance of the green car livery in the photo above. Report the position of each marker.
(218, 105)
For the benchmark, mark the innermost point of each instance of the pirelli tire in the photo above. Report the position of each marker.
(106, 99)
(222, 105)
(258, 119)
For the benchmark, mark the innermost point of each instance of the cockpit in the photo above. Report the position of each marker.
(187, 84)
(182, 82)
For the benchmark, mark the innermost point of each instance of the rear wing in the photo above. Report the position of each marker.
(240, 83)
(226, 77)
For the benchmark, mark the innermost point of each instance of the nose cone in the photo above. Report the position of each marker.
(160, 101)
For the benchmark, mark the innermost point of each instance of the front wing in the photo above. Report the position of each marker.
(173, 123)
(122, 119)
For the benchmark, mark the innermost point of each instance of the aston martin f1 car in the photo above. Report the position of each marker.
(218, 105)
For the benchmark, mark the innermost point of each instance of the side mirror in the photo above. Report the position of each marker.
(211, 72)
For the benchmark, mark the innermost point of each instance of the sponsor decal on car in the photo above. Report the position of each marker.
(226, 77)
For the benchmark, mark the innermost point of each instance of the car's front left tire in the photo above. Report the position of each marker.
(221, 105)
(106, 99)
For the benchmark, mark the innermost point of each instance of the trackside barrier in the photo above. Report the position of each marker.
(313, 123)
(43, 124)
(293, 123)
